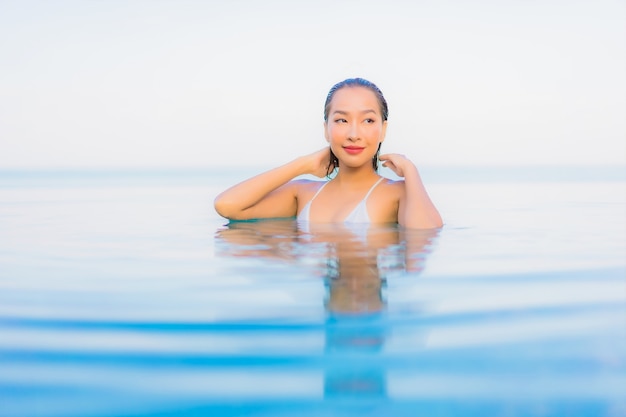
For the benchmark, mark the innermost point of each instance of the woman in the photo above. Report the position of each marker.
(355, 122)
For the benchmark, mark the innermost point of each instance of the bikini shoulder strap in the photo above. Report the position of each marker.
(318, 191)
(373, 186)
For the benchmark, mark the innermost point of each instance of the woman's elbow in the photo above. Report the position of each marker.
(437, 221)
(218, 205)
(224, 208)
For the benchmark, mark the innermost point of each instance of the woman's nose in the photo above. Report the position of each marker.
(353, 133)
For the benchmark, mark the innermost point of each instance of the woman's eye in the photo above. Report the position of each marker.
(369, 121)
(341, 121)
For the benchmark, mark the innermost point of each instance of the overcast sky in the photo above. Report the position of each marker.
(205, 83)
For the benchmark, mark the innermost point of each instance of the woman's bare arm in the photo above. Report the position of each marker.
(271, 194)
(416, 210)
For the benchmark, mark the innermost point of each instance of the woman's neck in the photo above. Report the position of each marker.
(348, 175)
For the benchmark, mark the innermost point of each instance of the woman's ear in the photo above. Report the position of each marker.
(383, 132)
(326, 132)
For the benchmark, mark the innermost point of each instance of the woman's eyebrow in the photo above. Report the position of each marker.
(362, 111)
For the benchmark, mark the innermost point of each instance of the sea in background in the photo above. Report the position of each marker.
(122, 293)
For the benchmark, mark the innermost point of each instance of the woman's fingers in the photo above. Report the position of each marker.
(391, 156)
(395, 162)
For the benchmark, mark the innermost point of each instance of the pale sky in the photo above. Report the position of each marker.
(183, 83)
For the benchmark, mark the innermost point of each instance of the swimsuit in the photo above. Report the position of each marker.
(358, 215)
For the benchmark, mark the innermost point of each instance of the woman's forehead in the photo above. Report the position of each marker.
(354, 97)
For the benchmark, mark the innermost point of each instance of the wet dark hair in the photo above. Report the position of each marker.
(357, 82)
(384, 111)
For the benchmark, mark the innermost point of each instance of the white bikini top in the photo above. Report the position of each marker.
(358, 215)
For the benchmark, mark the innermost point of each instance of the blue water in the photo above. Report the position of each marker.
(124, 294)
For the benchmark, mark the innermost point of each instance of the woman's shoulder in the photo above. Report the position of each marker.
(305, 183)
(305, 187)
(392, 185)
(390, 190)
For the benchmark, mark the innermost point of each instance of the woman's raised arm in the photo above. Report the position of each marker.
(416, 210)
(271, 194)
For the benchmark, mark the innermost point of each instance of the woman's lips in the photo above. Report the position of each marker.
(353, 150)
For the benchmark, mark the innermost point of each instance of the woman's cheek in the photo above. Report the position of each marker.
(337, 133)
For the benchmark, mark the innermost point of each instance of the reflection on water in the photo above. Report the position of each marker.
(509, 345)
(353, 263)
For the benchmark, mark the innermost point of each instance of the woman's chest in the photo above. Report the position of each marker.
(354, 206)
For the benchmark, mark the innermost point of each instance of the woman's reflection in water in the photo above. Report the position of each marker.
(356, 264)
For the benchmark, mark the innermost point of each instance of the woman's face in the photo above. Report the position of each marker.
(355, 127)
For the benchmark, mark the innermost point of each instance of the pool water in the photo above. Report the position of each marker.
(125, 294)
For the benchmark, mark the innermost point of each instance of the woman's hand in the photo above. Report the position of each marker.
(399, 164)
(318, 162)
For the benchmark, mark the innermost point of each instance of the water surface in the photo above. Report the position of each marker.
(126, 295)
